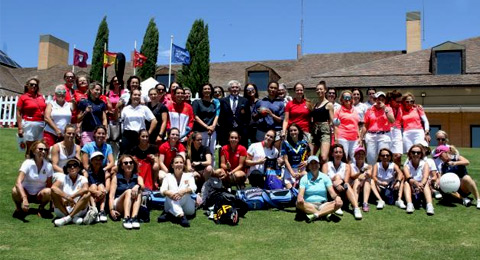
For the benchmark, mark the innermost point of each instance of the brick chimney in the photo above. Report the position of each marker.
(299, 51)
(414, 34)
(52, 51)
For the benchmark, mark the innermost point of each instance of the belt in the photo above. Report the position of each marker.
(378, 132)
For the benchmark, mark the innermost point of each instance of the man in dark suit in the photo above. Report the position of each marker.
(234, 115)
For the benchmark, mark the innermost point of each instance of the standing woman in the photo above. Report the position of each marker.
(218, 92)
(199, 159)
(146, 155)
(339, 172)
(92, 112)
(33, 182)
(322, 118)
(115, 91)
(416, 178)
(347, 132)
(357, 97)
(207, 111)
(162, 93)
(283, 93)
(177, 188)
(415, 123)
(394, 99)
(126, 192)
(387, 180)
(295, 151)
(133, 118)
(30, 113)
(250, 92)
(57, 115)
(78, 94)
(232, 162)
(378, 120)
(298, 111)
(160, 112)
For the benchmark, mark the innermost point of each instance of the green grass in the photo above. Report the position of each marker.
(388, 234)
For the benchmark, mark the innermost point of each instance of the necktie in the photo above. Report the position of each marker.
(234, 105)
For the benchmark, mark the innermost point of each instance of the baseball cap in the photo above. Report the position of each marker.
(359, 149)
(312, 158)
(73, 159)
(379, 94)
(441, 149)
(95, 154)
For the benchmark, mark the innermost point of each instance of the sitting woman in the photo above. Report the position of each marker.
(33, 182)
(458, 166)
(312, 195)
(442, 139)
(261, 158)
(295, 151)
(99, 182)
(387, 180)
(100, 136)
(416, 178)
(361, 173)
(126, 192)
(64, 150)
(232, 162)
(199, 159)
(338, 170)
(177, 188)
(167, 151)
(146, 155)
(70, 195)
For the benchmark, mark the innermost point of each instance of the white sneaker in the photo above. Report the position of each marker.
(380, 204)
(478, 204)
(77, 220)
(339, 212)
(400, 204)
(62, 221)
(357, 213)
(135, 223)
(430, 210)
(127, 223)
(437, 195)
(467, 202)
(410, 208)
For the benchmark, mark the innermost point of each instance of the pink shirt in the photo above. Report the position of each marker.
(411, 118)
(397, 113)
(298, 114)
(376, 119)
(348, 128)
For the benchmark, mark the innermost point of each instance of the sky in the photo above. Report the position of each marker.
(248, 30)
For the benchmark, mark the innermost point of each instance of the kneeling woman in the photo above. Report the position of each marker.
(387, 180)
(126, 192)
(232, 162)
(177, 188)
(312, 196)
(70, 195)
(416, 173)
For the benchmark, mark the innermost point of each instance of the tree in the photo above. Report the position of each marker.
(97, 57)
(150, 50)
(197, 72)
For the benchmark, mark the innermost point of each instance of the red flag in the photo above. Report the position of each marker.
(80, 58)
(138, 59)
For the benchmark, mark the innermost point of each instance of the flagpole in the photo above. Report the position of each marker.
(170, 63)
(133, 63)
(73, 64)
(103, 65)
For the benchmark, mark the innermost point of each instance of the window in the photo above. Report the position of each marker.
(475, 136)
(163, 78)
(433, 132)
(259, 78)
(449, 62)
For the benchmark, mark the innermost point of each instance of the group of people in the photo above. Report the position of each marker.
(168, 144)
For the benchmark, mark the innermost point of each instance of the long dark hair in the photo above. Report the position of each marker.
(332, 150)
(301, 134)
(120, 162)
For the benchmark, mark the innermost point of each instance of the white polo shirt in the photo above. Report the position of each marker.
(258, 151)
(34, 180)
(340, 171)
(70, 187)
(386, 174)
(134, 117)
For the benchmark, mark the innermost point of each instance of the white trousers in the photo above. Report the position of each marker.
(374, 143)
(184, 206)
(349, 147)
(397, 144)
(411, 137)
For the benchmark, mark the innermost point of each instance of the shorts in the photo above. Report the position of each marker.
(321, 133)
(318, 205)
(287, 177)
(32, 130)
(50, 139)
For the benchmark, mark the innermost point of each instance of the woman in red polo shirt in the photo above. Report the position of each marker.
(414, 121)
(167, 151)
(232, 162)
(347, 133)
(298, 111)
(30, 113)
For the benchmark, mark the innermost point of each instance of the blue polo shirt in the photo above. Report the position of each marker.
(315, 190)
(91, 147)
(295, 152)
(277, 106)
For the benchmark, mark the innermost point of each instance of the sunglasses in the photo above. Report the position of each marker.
(385, 155)
(347, 98)
(128, 163)
(250, 89)
(69, 77)
(32, 84)
(416, 152)
(42, 149)
(74, 165)
(161, 89)
(217, 92)
(409, 101)
(441, 139)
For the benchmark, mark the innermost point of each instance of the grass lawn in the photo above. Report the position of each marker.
(452, 233)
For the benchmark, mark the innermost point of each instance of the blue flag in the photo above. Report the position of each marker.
(180, 55)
